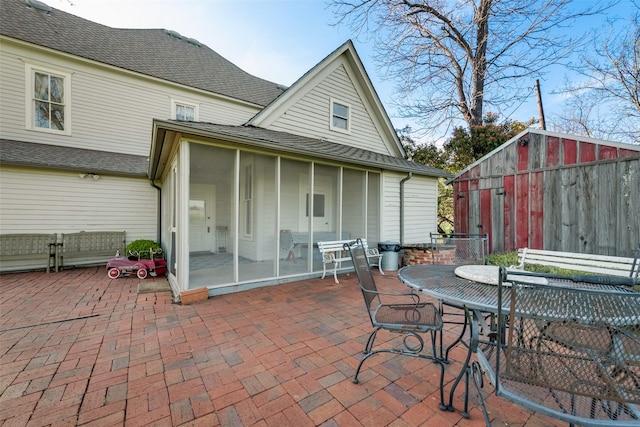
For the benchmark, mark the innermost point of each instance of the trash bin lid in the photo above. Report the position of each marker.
(388, 246)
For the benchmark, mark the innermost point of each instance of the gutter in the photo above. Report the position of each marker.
(407, 178)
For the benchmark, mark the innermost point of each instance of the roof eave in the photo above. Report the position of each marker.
(161, 127)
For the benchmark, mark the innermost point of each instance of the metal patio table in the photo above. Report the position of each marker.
(477, 299)
(441, 282)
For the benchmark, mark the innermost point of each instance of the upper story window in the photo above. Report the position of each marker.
(48, 100)
(340, 116)
(184, 111)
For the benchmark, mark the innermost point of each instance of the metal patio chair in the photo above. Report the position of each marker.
(406, 315)
(570, 350)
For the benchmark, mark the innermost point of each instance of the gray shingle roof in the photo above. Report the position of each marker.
(286, 142)
(18, 153)
(153, 52)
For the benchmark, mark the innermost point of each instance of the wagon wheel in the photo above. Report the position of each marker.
(113, 273)
(142, 273)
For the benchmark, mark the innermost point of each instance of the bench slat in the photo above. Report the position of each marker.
(599, 264)
(575, 255)
(624, 266)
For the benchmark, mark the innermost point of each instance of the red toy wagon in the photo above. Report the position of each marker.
(133, 264)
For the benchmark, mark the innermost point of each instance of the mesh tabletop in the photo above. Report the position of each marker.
(441, 282)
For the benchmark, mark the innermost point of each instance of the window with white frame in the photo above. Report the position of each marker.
(340, 116)
(247, 201)
(184, 111)
(48, 100)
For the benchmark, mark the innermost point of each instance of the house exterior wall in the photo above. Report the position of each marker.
(111, 110)
(310, 116)
(551, 192)
(420, 208)
(68, 203)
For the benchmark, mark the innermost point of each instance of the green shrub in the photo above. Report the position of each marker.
(142, 247)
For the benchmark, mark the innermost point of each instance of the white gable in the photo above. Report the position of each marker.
(305, 108)
(311, 114)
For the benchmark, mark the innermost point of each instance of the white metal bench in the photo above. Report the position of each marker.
(333, 252)
(598, 264)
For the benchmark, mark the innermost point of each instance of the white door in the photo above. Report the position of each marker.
(201, 218)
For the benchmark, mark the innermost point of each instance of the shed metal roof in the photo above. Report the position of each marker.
(548, 133)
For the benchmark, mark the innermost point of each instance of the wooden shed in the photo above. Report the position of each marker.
(553, 191)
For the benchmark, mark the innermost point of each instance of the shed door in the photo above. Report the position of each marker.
(497, 220)
(474, 212)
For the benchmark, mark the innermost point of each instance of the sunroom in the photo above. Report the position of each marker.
(243, 206)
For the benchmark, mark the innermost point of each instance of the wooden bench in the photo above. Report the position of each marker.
(90, 247)
(597, 264)
(40, 249)
(333, 252)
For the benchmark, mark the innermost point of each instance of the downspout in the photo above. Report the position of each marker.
(402, 207)
(159, 212)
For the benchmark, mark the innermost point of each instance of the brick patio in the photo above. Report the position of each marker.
(78, 348)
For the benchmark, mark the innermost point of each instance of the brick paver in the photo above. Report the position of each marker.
(77, 348)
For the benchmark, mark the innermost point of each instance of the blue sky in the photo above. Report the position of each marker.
(278, 40)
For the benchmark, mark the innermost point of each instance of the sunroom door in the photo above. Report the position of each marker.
(201, 218)
(322, 206)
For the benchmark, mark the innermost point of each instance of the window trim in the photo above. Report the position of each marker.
(332, 103)
(174, 107)
(30, 72)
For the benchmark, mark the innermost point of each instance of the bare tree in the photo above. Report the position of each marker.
(576, 117)
(606, 89)
(454, 58)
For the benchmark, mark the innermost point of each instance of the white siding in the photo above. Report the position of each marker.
(42, 201)
(310, 116)
(391, 206)
(110, 110)
(420, 208)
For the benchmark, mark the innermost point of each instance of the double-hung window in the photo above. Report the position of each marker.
(340, 117)
(184, 111)
(247, 202)
(48, 96)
